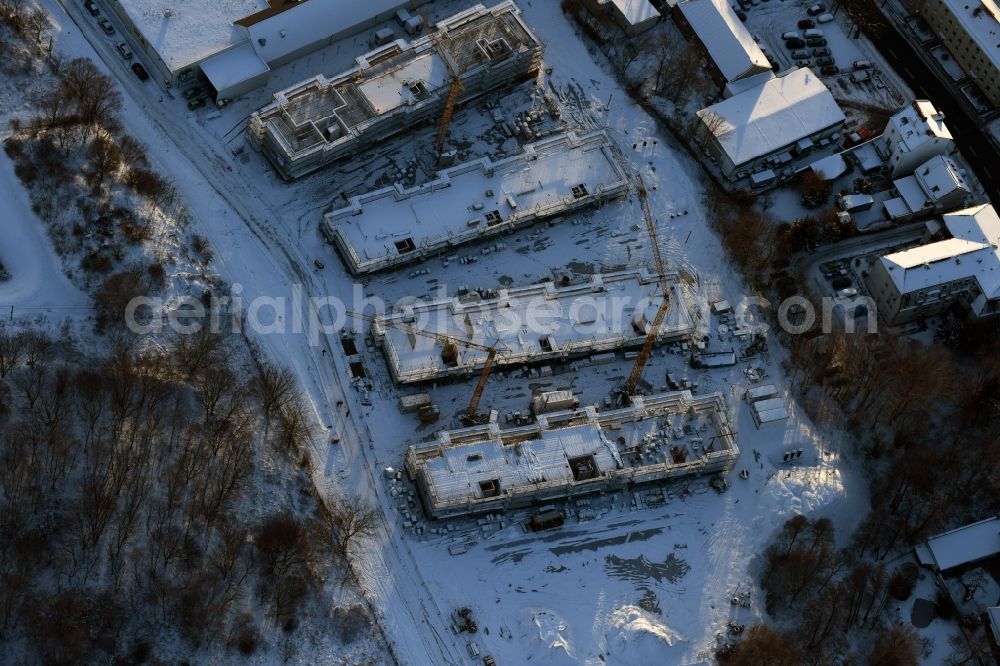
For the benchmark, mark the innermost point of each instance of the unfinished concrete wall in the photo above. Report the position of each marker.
(322, 120)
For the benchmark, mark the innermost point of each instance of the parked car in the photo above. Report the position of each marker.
(861, 64)
(816, 41)
(192, 92)
(819, 53)
(800, 55)
(816, 9)
(140, 71)
(806, 23)
(829, 70)
(822, 62)
(794, 44)
(106, 26)
(791, 34)
(824, 18)
(124, 50)
(813, 33)
(91, 7)
(802, 62)
(835, 273)
(847, 293)
(741, 15)
(196, 103)
(842, 282)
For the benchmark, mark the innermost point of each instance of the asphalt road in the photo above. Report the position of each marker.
(969, 135)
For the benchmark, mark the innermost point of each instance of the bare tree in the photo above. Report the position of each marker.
(897, 645)
(349, 522)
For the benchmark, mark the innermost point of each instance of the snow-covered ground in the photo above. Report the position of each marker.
(632, 585)
(37, 285)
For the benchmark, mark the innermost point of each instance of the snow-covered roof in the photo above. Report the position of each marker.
(729, 43)
(940, 176)
(967, 544)
(773, 116)
(830, 167)
(233, 66)
(476, 199)
(183, 32)
(533, 323)
(981, 20)
(919, 123)
(306, 23)
(971, 252)
(636, 12)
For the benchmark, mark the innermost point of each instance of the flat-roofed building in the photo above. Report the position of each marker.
(533, 324)
(236, 43)
(924, 280)
(394, 88)
(970, 29)
(758, 129)
(475, 200)
(731, 51)
(573, 453)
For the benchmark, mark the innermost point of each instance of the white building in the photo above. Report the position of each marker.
(237, 42)
(533, 324)
(732, 52)
(962, 546)
(393, 88)
(759, 129)
(572, 453)
(914, 134)
(475, 200)
(939, 184)
(632, 16)
(964, 268)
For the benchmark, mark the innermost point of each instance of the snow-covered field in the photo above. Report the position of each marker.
(631, 584)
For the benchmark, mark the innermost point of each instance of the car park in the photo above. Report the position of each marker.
(195, 104)
(806, 23)
(140, 71)
(106, 26)
(123, 50)
(816, 41)
(791, 34)
(91, 7)
(816, 9)
(829, 70)
(824, 18)
(794, 44)
(822, 62)
(819, 53)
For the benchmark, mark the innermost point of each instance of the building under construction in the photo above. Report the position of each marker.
(572, 453)
(475, 200)
(533, 324)
(395, 87)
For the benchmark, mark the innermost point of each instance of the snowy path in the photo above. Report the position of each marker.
(38, 284)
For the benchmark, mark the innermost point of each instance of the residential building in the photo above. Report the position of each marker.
(962, 268)
(573, 453)
(534, 324)
(236, 43)
(475, 200)
(939, 184)
(914, 134)
(961, 547)
(393, 88)
(731, 51)
(763, 128)
(632, 16)
(970, 30)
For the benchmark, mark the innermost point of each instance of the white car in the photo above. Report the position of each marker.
(124, 50)
(824, 18)
(847, 293)
(791, 34)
